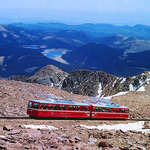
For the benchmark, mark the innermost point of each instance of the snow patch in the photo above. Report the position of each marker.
(148, 81)
(15, 35)
(141, 82)
(123, 80)
(40, 127)
(22, 57)
(2, 28)
(2, 136)
(137, 126)
(118, 94)
(114, 83)
(99, 90)
(131, 88)
(4, 35)
(141, 89)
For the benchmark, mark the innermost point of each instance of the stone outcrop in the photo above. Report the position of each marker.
(48, 75)
(75, 79)
(18, 78)
(102, 84)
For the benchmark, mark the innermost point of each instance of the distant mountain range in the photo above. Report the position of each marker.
(17, 53)
(129, 44)
(110, 60)
(96, 30)
(20, 61)
(86, 82)
(89, 46)
(21, 36)
(101, 84)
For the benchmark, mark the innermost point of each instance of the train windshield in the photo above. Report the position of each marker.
(30, 104)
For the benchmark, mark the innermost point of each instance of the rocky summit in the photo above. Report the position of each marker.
(86, 82)
(48, 75)
(102, 84)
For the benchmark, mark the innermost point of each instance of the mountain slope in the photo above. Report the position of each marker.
(96, 56)
(26, 38)
(91, 53)
(50, 76)
(110, 60)
(101, 84)
(21, 61)
(129, 44)
(73, 34)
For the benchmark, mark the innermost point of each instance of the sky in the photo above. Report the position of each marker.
(118, 12)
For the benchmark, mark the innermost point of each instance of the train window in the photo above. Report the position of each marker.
(45, 106)
(78, 108)
(59, 107)
(122, 110)
(74, 107)
(70, 107)
(41, 107)
(86, 108)
(51, 107)
(103, 109)
(119, 110)
(100, 109)
(64, 107)
(82, 108)
(30, 104)
(93, 108)
(127, 111)
(109, 109)
(35, 105)
(106, 109)
(96, 109)
(114, 110)
(55, 107)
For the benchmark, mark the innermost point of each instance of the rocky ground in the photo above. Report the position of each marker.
(67, 134)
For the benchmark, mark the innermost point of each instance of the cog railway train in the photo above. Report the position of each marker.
(50, 108)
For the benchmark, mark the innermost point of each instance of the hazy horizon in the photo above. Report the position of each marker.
(116, 12)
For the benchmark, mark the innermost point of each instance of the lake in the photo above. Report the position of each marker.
(52, 54)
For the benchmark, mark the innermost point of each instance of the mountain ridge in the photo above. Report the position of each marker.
(109, 59)
(86, 82)
(96, 30)
(129, 44)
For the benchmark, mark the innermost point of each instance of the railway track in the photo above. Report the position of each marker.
(28, 118)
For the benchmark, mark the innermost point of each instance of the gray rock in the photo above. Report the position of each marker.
(50, 76)
(101, 84)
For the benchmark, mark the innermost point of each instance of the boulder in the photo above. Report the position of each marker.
(104, 144)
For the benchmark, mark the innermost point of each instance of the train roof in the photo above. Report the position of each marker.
(67, 102)
(109, 105)
(53, 101)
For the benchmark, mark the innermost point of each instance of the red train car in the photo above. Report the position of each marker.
(58, 109)
(109, 111)
(68, 109)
